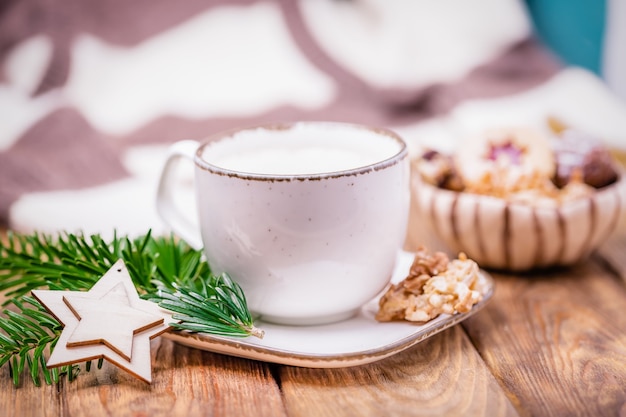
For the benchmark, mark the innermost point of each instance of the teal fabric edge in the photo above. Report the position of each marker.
(573, 29)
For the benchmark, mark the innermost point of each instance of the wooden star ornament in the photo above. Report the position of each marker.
(109, 321)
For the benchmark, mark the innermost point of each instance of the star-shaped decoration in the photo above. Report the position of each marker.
(109, 321)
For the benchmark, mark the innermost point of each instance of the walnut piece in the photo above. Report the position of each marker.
(435, 285)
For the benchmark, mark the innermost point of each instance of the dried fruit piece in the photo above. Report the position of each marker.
(580, 156)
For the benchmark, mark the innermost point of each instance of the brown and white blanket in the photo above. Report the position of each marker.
(92, 93)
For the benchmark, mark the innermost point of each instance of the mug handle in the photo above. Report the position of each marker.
(186, 228)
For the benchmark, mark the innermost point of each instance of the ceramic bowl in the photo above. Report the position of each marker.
(499, 234)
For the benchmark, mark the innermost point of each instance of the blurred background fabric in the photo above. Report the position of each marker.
(586, 33)
(92, 93)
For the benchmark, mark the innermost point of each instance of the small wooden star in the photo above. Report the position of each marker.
(109, 321)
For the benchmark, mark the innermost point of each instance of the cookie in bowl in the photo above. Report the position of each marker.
(517, 199)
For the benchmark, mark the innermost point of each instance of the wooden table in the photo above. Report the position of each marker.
(548, 344)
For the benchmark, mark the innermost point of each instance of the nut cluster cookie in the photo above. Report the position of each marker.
(523, 165)
(435, 285)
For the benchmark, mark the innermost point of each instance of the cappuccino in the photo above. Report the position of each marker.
(303, 150)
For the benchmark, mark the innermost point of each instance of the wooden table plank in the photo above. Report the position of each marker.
(557, 341)
(27, 399)
(185, 382)
(440, 376)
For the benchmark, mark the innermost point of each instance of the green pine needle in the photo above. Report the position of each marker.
(163, 269)
(209, 307)
(28, 332)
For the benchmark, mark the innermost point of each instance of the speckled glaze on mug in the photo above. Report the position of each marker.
(306, 247)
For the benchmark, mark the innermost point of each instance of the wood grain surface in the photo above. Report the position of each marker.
(552, 343)
(441, 376)
(186, 382)
(556, 341)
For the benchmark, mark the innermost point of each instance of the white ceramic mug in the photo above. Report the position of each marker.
(307, 217)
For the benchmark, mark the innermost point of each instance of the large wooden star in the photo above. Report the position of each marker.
(109, 321)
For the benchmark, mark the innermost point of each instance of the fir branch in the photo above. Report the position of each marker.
(28, 332)
(215, 306)
(163, 269)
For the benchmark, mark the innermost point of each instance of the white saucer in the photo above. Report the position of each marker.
(355, 341)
